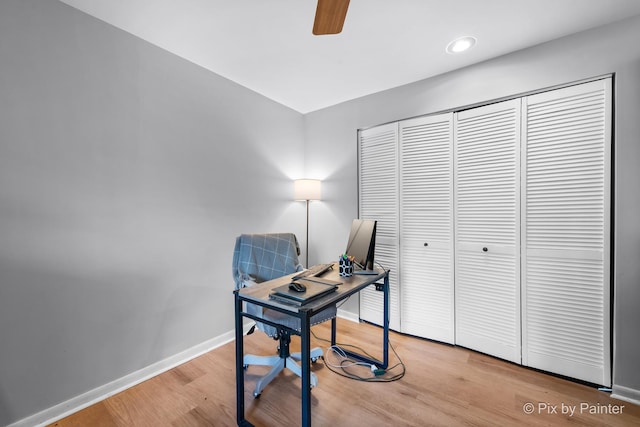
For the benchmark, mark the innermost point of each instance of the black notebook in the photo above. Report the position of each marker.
(314, 290)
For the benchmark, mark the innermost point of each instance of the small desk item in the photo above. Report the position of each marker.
(314, 271)
(314, 290)
(260, 294)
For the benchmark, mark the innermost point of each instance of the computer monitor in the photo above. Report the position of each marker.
(361, 244)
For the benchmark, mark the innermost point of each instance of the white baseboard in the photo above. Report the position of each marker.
(343, 314)
(625, 393)
(75, 404)
(98, 394)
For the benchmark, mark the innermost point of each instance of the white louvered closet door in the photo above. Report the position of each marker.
(487, 229)
(565, 229)
(426, 227)
(378, 200)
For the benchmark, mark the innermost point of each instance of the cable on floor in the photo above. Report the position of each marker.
(336, 360)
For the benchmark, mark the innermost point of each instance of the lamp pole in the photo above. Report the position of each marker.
(307, 190)
(306, 251)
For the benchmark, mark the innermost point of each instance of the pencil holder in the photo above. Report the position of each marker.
(346, 267)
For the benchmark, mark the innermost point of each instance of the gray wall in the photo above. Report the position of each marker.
(125, 175)
(585, 55)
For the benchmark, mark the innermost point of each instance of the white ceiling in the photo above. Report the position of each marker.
(267, 45)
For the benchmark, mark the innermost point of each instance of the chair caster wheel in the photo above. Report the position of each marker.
(256, 395)
(245, 367)
(314, 359)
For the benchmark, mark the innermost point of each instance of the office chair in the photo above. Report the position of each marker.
(258, 258)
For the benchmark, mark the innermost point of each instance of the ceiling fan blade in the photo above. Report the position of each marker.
(330, 15)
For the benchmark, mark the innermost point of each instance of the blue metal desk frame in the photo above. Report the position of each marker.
(259, 294)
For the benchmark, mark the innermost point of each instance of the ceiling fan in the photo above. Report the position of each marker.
(330, 15)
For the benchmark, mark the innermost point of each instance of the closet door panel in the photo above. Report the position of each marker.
(378, 200)
(487, 224)
(487, 318)
(426, 227)
(565, 227)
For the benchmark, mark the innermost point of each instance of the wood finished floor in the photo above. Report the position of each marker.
(443, 386)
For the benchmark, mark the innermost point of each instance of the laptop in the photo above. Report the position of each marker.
(314, 291)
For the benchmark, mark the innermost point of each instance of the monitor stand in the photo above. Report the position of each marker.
(366, 272)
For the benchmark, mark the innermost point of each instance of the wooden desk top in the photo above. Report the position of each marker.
(259, 293)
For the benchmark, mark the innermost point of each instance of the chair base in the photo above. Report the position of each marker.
(278, 364)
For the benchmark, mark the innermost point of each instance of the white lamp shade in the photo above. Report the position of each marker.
(306, 189)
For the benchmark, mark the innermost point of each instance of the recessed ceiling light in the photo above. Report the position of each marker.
(461, 44)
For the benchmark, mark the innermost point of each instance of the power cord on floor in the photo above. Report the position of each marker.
(344, 365)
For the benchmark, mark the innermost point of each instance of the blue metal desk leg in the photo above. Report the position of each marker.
(385, 319)
(239, 363)
(333, 331)
(384, 363)
(305, 335)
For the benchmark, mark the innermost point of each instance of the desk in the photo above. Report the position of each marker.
(259, 294)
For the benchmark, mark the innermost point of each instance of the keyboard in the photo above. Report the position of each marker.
(314, 271)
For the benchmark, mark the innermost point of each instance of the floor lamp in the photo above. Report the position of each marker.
(307, 190)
